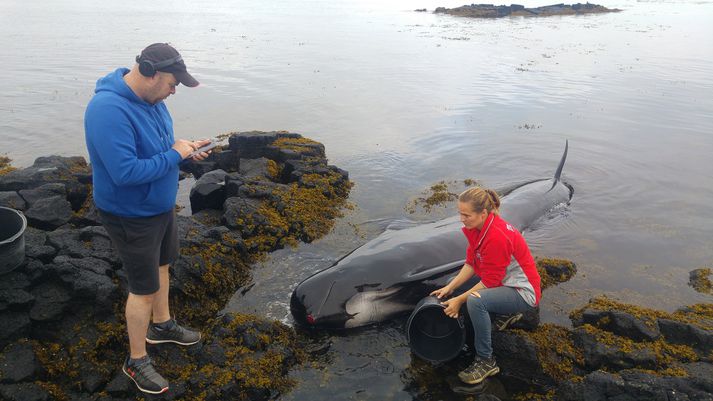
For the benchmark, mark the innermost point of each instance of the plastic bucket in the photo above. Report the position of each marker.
(431, 334)
(12, 239)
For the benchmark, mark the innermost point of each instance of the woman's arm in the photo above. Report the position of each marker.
(464, 274)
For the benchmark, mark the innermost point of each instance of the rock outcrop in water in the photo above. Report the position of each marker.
(613, 351)
(62, 330)
(516, 10)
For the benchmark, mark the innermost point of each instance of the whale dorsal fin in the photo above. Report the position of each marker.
(558, 173)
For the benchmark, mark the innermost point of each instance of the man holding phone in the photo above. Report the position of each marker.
(134, 156)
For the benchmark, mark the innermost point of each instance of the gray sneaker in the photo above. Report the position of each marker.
(145, 376)
(479, 370)
(175, 333)
(502, 322)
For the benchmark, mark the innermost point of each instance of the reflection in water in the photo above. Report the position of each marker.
(403, 100)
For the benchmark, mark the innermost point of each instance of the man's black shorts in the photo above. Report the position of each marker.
(143, 244)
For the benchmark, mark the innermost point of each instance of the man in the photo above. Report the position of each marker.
(129, 134)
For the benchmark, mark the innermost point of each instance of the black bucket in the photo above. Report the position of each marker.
(432, 335)
(12, 239)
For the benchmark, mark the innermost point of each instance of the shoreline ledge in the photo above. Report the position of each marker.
(516, 10)
(62, 328)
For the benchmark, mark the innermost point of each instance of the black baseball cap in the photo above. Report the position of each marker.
(160, 53)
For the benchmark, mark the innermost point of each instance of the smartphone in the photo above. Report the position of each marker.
(204, 148)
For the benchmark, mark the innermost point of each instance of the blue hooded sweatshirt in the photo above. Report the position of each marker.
(129, 141)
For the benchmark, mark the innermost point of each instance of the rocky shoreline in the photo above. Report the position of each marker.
(62, 335)
(516, 10)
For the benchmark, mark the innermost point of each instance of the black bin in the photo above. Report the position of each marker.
(12, 239)
(431, 334)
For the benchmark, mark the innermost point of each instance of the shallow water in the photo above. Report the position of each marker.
(403, 100)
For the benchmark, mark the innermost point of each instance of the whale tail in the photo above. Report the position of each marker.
(558, 173)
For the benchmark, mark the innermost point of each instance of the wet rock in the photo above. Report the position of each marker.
(254, 168)
(73, 172)
(14, 324)
(620, 323)
(631, 385)
(49, 213)
(31, 196)
(677, 332)
(251, 145)
(233, 182)
(12, 200)
(89, 278)
(198, 168)
(209, 191)
(700, 280)
(24, 392)
(261, 190)
(120, 385)
(701, 375)
(18, 363)
(51, 300)
(492, 11)
(598, 354)
(13, 294)
(36, 246)
(241, 214)
(227, 160)
(88, 242)
(92, 380)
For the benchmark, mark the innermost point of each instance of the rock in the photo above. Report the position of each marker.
(699, 279)
(51, 299)
(31, 196)
(14, 324)
(18, 363)
(198, 168)
(24, 392)
(261, 190)
(12, 200)
(251, 145)
(89, 278)
(677, 332)
(620, 323)
(598, 354)
(73, 172)
(87, 215)
(120, 385)
(241, 214)
(254, 168)
(49, 213)
(631, 385)
(227, 160)
(233, 182)
(91, 379)
(88, 242)
(36, 246)
(209, 191)
(700, 374)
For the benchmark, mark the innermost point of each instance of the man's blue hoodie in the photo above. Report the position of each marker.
(129, 142)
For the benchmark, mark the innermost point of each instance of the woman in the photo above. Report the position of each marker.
(509, 283)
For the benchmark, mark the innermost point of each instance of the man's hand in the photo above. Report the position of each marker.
(202, 155)
(184, 147)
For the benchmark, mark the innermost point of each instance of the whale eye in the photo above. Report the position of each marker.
(310, 319)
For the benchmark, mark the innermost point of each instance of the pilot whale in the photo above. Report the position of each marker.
(388, 275)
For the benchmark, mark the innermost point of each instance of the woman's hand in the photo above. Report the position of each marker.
(453, 306)
(442, 292)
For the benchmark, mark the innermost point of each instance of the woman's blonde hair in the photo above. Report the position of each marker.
(481, 198)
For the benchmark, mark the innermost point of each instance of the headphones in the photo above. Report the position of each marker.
(149, 68)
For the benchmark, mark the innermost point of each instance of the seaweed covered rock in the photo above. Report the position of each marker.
(277, 189)
(700, 280)
(66, 299)
(493, 11)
